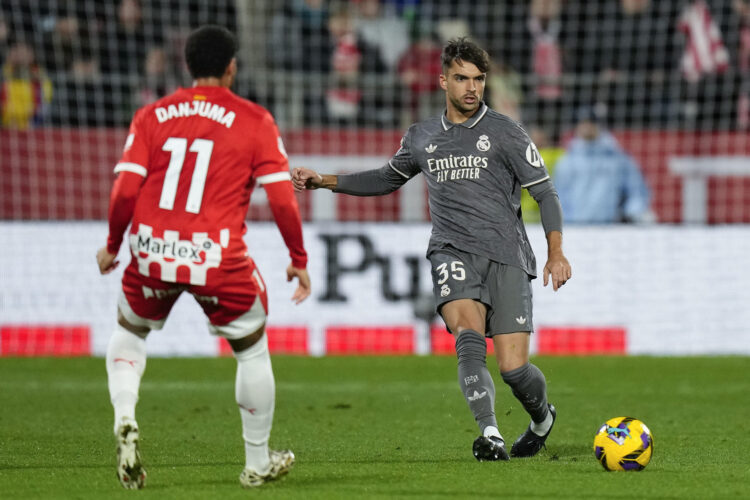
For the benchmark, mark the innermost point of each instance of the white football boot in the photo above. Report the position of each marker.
(281, 462)
(130, 469)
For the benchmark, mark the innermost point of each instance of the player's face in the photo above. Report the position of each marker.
(464, 87)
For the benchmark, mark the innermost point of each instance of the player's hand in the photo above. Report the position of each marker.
(305, 178)
(559, 269)
(303, 286)
(107, 261)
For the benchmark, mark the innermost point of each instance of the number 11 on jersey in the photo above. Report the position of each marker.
(177, 146)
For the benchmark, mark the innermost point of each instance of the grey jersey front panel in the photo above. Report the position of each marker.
(475, 172)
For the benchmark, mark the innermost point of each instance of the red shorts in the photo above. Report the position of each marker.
(235, 301)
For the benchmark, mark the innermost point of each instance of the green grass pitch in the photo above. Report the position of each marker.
(375, 427)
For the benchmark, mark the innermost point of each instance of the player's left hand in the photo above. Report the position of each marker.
(303, 285)
(107, 261)
(559, 269)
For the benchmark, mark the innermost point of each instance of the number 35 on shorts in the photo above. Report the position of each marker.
(456, 271)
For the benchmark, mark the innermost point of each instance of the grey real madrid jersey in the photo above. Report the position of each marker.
(475, 171)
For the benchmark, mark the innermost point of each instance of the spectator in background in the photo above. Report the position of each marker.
(419, 72)
(630, 47)
(62, 41)
(344, 96)
(25, 89)
(126, 41)
(352, 60)
(545, 65)
(299, 39)
(383, 30)
(596, 180)
(157, 79)
(504, 87)
(704, 66)
(78, 95)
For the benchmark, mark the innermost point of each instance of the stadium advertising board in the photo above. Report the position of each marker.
(636, 290)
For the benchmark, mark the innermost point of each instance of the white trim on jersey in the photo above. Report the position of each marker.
(397, 170)
(131, 167)
(484, 112)
(535, 182)
(277, 177)
(443, 120)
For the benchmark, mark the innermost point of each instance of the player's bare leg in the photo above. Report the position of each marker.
(126, 362)
(255, 394)
(530, 388)
(466, 319)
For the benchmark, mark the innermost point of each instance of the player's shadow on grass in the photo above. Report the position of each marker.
(566, 452)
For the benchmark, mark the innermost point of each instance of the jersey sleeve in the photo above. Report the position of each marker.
(403, 162)
(121, 207)
(523, 158)
(270, 161)
(135, 154)
(285, 211)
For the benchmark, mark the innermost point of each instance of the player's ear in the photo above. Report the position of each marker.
(443, 82)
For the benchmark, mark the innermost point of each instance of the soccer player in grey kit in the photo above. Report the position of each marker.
(476, 161)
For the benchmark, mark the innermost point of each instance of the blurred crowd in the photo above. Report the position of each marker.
(92, 63)
(375, 63)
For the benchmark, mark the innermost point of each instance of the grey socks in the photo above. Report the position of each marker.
(530, 388)
(474, 379)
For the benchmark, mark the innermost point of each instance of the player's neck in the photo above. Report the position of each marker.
(456, 116)
(211, 81)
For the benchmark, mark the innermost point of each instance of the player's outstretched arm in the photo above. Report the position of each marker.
(306, 178)
(303, 283)
(557, 267)
(374, 182)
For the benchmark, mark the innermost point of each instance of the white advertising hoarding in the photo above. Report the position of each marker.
(674, 290)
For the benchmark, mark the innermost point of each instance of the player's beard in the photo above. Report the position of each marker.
(463, 108)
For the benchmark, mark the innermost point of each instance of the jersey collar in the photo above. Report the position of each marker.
(447, 124)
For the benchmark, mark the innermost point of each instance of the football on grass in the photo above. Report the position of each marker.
(623, 443)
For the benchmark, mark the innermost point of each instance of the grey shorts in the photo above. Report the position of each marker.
(504, 289)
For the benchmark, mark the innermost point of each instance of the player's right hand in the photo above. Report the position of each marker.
(107, 261)
(303, 285)
(305, 178)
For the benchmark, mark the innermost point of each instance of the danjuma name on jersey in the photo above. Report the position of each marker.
(195, 108)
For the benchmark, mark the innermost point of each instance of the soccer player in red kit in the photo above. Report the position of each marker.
(184, 182)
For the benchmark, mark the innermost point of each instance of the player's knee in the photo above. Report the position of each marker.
(517, 375)
(470, 345)
(141, 331)
(243, 343)
(252, 347)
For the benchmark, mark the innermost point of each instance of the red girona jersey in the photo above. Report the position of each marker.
(197, 155)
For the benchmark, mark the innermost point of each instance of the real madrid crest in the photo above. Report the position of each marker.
(483, 144)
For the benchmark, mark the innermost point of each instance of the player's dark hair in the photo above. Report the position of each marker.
(461, 49)
(209, 50)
